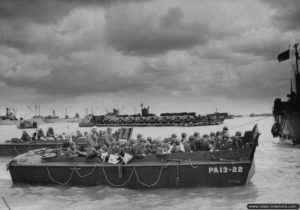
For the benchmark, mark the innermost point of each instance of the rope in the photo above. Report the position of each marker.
(61, 183)
(88, 174)
(177, 174)
(153, 184)
(250, 122)
(190, 161)
(117, 185)
(6, 203)
(19, 153)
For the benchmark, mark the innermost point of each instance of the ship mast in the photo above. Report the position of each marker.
(297, 71)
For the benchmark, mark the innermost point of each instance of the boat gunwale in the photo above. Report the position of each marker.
(132, 164)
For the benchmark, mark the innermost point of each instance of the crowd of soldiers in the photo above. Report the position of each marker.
(104, 144)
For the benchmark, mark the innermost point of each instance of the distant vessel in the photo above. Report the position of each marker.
(56, 119)
(287, 114)
(261, 115)
(25, 124)
(220, 116)
(185, 119)
(37, 117)
(9, 118)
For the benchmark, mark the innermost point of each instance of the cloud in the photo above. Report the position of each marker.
(286, 15)
(45, 11)
(169, 31)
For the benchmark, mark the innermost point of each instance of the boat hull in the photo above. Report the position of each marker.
(14, 149)
(136, 176)
(292, 126)
(61, 120)
(289, 126)
(84, 124)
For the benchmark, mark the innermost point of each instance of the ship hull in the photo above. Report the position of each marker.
(61, 120)
(84, 124)
(291, 127)
(136, 176)
(37, 120)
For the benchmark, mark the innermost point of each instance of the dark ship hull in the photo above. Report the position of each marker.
(287, 126)
(138, 175)
(287, 114)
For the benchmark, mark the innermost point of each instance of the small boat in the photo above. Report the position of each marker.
(26, 124)
(177, 170)
(16, 146)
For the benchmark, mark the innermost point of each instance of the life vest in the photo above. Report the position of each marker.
(275, 129)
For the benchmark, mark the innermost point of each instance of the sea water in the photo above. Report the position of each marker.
(277, 178)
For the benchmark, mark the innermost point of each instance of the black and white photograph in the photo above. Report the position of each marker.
(149, 104)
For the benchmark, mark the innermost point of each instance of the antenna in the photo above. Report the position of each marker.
(297, 57)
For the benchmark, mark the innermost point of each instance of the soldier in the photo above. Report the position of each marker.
(184, 138)
(50, 133)
(212, 135)
(25, 136)
(109, 139)
(235, 143)
(139, 136)
(229, 144)
(192, 143)
(78, 134)
(140, 149)
(72, 150)
(218, 145)
(226, 137)
(225, 130)
(102, 140)
(40, 134)
(92, 138)
(206, 146)
(197, 141)
(149, 140)
(240, 139)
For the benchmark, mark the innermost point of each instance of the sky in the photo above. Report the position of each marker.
(171, 55)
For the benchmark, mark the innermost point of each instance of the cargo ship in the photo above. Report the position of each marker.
(287, 113)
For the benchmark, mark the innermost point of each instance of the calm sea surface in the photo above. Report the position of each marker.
(277, 178)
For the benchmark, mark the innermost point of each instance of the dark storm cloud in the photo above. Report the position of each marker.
(287, 15)
(75, 80)
(151, 35)
(45, 11)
